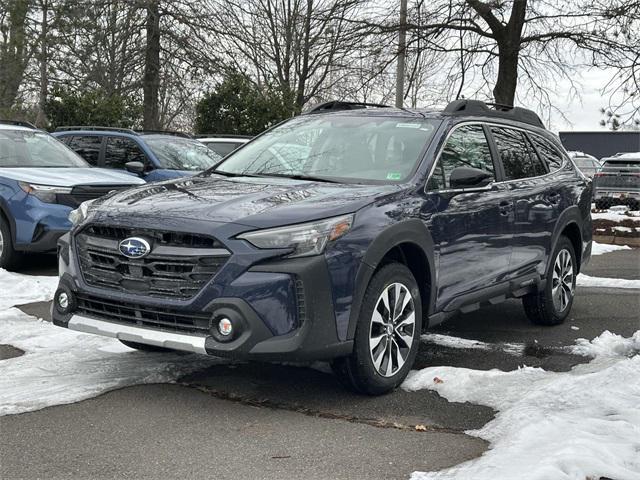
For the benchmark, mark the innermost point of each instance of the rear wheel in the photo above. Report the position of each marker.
(553, 304)
(387, 335)
(143, 347)
(9, 258)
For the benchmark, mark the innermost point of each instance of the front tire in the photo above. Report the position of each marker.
(9, 258)
(387, 334)
(552, 306)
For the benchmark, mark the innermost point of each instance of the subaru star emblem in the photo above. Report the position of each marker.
(134, 247)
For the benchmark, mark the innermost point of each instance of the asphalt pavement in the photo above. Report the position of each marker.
(269, 421)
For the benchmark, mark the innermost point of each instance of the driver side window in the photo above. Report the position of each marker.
(466, 147)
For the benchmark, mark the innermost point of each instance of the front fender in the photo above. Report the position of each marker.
(411, 231)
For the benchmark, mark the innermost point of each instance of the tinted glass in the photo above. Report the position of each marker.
(21, 148)
(466, 147)
(120, 150)
(87, 146)
(549, 153)
(176, 153)
(517, 155)
(222, 148)
(339, 147)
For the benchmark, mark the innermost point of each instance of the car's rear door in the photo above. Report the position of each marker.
(471, 228)
(531, 175)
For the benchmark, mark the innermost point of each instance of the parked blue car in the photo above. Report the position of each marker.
(41, 181)
(151, 155)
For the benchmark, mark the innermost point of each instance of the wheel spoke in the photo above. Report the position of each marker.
(392, 329)
(374, 342)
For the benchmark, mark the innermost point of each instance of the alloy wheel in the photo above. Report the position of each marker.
(563, 281)
(392, 329)
(1, 243)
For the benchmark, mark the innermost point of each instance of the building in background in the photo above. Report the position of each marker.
(601, 143)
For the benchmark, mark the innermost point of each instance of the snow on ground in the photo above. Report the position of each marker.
(458, 342)
(18, 289)
(613, 216)
(62, 366)
(582, 424)
(587, 281)
(602, 248)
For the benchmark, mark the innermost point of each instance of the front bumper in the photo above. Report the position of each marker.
(255, 300)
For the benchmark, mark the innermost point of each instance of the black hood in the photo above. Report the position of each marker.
(255, 202)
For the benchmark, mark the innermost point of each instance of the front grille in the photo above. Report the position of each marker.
(144, 316)
(82, 193)
(178, 266)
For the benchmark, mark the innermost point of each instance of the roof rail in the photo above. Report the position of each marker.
(164, 132)
(477, 107)
(222, 135)
(338, 105)
(96, 128)
(19, 123)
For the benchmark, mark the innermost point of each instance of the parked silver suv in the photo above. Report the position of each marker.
(618, 182)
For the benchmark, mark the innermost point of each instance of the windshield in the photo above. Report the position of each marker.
(182, 153)
(31, 148)
(336, 147)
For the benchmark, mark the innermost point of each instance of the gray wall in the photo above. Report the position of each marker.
(601, 144)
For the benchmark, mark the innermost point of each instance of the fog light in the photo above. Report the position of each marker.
(63, 300)
(225, 327)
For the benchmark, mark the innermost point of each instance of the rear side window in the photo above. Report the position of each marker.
(121, 150)
(467, 146)
(517, 155)
(549, 153)
(87, 146)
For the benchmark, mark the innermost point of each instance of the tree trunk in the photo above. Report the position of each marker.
(13, 61)
(41, 118)
(504, 91)
(151, 79)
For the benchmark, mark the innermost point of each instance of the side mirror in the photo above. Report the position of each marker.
(134, 167)
(467, 177)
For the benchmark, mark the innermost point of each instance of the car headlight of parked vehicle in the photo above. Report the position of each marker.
(78, 215)
(44, 193)
(306, 239)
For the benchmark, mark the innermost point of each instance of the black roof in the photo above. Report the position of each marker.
(462, 108)
(130, 131)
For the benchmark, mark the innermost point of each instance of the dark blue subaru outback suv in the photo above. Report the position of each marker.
(337, 235)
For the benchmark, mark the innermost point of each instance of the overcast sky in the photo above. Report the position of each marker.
(583, 114)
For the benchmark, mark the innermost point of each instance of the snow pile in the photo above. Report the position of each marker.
(572, 425)
(602, 248)
(20, 289)
(633, 216)
(587, 281)
(62, 366)
(465, 343)
(608, 345)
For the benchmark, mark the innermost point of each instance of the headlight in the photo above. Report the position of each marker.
(306, 238)
(45, 193)
(79, 215)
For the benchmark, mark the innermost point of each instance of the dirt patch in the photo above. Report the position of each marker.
(8, 351)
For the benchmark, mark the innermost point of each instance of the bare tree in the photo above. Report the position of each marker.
(14, 50)
(301, 46)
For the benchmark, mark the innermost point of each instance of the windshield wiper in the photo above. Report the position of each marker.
(310, 178)
(234, 174)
